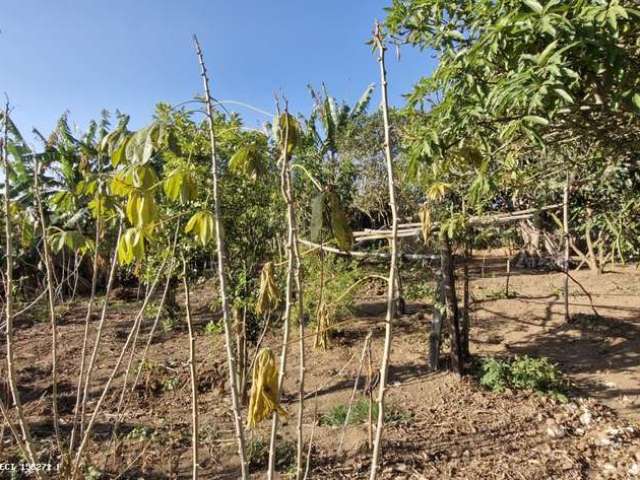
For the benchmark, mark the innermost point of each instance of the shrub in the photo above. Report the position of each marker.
(523, 373)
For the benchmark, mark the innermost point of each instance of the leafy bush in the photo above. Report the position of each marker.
(523, 373)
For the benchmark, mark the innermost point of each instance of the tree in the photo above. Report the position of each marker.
(520, 86)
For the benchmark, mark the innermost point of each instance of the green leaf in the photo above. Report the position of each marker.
(364, 100)
(536, 120)
(317, 216)
(289, 126)
(141, 209)
(100, 205)
(180, 184)
(564, 94)
(534, 5)
(119, 155)
(131, 246)
(144, 177)
(121, 184)
(63, 201)
(339, 223)
(636, 101)
(72, 239)
(247, 162)
(543, 58)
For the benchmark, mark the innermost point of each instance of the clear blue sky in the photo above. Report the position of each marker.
(83, 56)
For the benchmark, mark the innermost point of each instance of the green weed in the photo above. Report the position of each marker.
(523, 373)
(213, 328)
(258, 454)
(360, 414)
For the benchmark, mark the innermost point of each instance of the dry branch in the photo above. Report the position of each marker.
(219, 236)
(414, 229)
(8, 287)
(285, 186)
(193, 374)
(391, 287)
(51, 305)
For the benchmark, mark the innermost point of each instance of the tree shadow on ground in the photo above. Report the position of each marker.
(589, 345)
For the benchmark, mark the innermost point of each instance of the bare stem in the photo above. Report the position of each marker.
(567, 239)
(8, 286)
(192, 371)
(391, 286)
(237, 414)
(85, 338)
(96, 345)
(286, 317)
(52, 308)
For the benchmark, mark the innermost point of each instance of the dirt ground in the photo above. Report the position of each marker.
(446, 427)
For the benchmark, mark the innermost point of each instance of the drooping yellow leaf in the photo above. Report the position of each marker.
(201, 226)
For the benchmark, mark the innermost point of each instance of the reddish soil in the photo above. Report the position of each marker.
(448, 428)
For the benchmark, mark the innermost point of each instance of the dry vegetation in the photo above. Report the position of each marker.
(441, 292)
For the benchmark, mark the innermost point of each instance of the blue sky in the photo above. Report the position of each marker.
(84, 56)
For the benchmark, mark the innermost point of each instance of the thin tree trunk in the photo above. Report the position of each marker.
(592, 259)
(52, 307)
(451, 304)
(193, 374)
(466, 321)
(237, 414)
(565, 228)
(370, 398)
(291, 238)
(11, 372)
(76, 268)
(239, 325)
(435, 335)
(392, 294)
(506, 287)
(302, 368)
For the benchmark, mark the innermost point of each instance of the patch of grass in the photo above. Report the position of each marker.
(360, 414)
(168, 324)
(523, 373)
(213, 328)
(258, 454)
